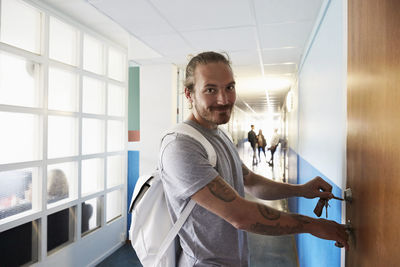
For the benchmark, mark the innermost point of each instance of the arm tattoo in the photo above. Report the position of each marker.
(221, 190)
(269, 213)
(245, 170)
(278, 229)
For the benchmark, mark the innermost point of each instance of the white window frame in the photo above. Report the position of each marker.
(43, 59)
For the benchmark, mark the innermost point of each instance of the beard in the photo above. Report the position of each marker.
(215, 114)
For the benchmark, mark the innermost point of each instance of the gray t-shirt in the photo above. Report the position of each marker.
(206, 239)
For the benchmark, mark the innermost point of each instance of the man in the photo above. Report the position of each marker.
(274, 143)
(252, 138)
(215, 233)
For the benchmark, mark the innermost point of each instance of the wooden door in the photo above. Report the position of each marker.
(373, 138)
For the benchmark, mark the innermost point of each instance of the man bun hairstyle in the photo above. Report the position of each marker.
(203, 59)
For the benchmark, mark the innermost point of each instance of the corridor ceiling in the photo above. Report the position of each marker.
(265, 39)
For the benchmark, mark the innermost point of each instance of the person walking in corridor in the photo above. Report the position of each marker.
(252, 138)
(215, 233)
(262, 143)
(274, 144)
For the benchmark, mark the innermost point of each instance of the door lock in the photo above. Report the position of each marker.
(348, 195)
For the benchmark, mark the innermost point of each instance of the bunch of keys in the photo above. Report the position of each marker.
(323, 203)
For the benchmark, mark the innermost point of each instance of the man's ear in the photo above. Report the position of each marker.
(188, 95)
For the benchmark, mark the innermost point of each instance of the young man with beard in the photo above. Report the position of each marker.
(215, 233)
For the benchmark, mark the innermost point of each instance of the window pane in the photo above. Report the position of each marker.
(115, 135)
(114, 205)
(93, 96)
(16, 191)
(19, 245)
(93, 55)
(92, 136)
(20, 25)
(92, 175)
(63, 40)
(116, 100)
(18, 77)
(19, 137)
(91, 215)
(61, 181)
(63, 90)
(115, 167)
(116, 65)
(62, 137)
(60, 228)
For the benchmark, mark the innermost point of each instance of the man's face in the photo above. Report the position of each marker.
(214, 94)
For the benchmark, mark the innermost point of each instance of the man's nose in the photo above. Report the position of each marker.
(222, 97)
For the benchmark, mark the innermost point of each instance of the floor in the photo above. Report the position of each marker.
(274, 251)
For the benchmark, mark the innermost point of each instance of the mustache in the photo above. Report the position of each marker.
(222, 107)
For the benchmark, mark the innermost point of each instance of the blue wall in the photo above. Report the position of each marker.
(312, 251)
(133, 175)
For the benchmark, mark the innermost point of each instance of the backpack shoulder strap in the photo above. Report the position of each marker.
(186, 129)
(174, 231)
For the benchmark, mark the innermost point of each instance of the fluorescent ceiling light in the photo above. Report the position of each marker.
(269, 83)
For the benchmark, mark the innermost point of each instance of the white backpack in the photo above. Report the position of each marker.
(152, 232)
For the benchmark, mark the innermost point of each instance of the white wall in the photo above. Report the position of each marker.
(322, 96)
(158, 102)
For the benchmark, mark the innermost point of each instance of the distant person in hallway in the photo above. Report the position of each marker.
(262, 143)
(274, 144)
(252, 138)
(215, 233)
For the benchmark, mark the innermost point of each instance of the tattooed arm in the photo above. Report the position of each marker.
(264, 188)
(220, 198)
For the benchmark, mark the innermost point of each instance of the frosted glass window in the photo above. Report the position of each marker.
(16, 189)
(92, 136)
(63, 41)
(63, 90)
(20, 25)
(116, 100)
(91, 215)
(93, 55)
(60, 229)
(116, 65)
(61, 182)
(92, 175)
(19, 137)
(62, 136)
(114, 205)
(115, 170)
(115, 135)
(19, 79)
(94, 95)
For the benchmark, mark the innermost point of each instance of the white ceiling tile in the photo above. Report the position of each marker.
(247, 71)
(247, 57)
(280, 69)
(232, 39)
(273, 11)
(281, 55)
(188, 15)
(285, 34)
(168, 44)
(136, 16)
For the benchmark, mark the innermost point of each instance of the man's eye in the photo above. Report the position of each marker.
(210, 90)
(231, 88)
